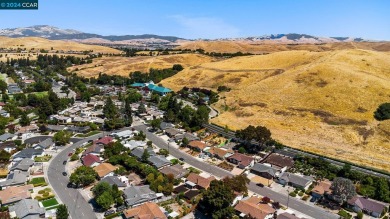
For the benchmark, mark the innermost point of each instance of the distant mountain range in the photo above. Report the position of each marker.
(55, 33)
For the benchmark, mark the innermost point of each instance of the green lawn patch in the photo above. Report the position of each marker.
(36, 181)
(42, 159)
(49, 202)
(40, 94)
(88, 134)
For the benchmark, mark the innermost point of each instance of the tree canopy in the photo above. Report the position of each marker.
(62, 212)
(83, 176)
(62, 137)
(383, 112)
(343, 188)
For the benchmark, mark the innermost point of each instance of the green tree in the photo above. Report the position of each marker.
(237, 183)
(3, 86)
(62, 212)
(83, 176)
(155, 123)
(145, 156)
(141, 108)
(5, 97)
(117, 195)
(383, 112)
(105, 200)
(100, 188)
(382, 192)
(217, 200)
(4, 156)
(62, 137)
(24, 120)
(110, 111)
(360, 215)
(343, 188)
(185, 142)
(128, 113)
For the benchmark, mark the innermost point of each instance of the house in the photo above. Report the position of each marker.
(27, 129)
(189, 195)
(14, 194)
(286, 215)
(159, 161)
(252, 206)
(79, 129)
(136, 195)
(195, 181)
(188, 136)
(22, 165)
(294, 180)
(132, 144)
(27, 209)
(45, 144)
(176, 170)
(197, 145)
(55, 128)
(15, 178)
(172, 132)
(27, 153)
(367, 206)
(8, 146)
(166, 125)
(243, 161)
(279, 161)
(148, 210)
(123, 134)
(219, 153)
(7, 136)
(322, 189)
(4, 113)
(265, 171)
(95, 149)
(138, 152)
(105, 169)
(91, 160)
(104, 141)
(113, 180)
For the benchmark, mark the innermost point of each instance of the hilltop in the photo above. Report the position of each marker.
(321, 102)
(37, 43)
(124, 65)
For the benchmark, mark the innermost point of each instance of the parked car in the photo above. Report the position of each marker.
(120, 208)
(313, 199)
(64, 174)
(70, 154)
(109, 212)
(181, 159)
(64, 162)
(260, 185)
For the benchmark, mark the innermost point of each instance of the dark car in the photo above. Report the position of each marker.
(260, 184)
(120, 208)
(313, 199)
(64, 174)
(64, 162)
(70, 154)
(181, 159)
(109, 212)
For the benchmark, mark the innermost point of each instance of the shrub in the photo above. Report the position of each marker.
(293, 194)
(39, 198)
(41, 191)
(300, 193)
(360, 215)
(344, 214)
(74, 157)
(305, 198)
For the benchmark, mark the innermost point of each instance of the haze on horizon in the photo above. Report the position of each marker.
(211, 19)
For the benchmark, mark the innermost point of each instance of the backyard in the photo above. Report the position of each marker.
(38, 181)
(45, 158)
(49, 203)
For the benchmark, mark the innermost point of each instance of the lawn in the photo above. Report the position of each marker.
(42, 159)
(37, 180)
(88, 134)
(49, 202)
(40, 94)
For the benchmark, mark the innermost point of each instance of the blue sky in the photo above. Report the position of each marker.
(193, 19)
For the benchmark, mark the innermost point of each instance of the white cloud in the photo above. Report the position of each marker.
(205, 27)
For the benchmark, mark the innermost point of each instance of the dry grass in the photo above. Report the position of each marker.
(270, 46)
(41, 43)
(124, 65)
(322, 102)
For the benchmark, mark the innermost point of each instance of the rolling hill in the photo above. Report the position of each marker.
(321, 102)
(124, 65)
(41, 43)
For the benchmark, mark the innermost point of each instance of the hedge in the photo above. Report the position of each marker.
(293, 194)
(344, 214)
(113, 215)
(39, 198)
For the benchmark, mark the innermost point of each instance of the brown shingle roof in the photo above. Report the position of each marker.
(197, 144)
(242, 159)
(90, 159)
(218, 151)
(104, 169)
(200, 181)
(252, 207)
(279, 160)
(149, 210)
(15, 193)
(176, 170)
(322, 187)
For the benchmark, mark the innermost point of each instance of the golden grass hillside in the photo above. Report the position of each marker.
(321, 102)
(124, 65)
(262, 47)
(42, 43)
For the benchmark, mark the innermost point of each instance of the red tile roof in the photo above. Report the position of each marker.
(253, 207)
(242, 159)
(200, 181)
(105, 140)
(90, 159)
(149, 210)
(197, 144)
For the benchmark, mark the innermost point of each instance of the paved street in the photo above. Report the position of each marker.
(78, 207)
(312, 211)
